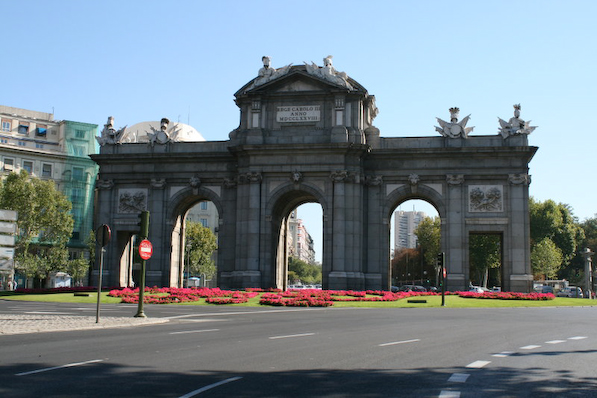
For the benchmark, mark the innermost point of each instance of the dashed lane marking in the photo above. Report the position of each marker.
(555, 341)
(503, 354)
(399, 342)
(477, 364)
(195, 331)
(291, 335)
(68, 365)
(577, 338)
(530, 347)
(449, 394)
(209, 387)
(458, 378)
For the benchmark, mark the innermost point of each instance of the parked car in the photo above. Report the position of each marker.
(570, 291)
(543, 289)
(411, 288)
(478, 289)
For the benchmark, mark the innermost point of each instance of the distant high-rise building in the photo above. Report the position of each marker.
(300, 242)
(405, 223)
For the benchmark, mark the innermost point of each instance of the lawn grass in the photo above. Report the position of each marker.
(451, 301)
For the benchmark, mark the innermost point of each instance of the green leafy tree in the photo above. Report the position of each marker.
(304, 272)
(485, 255)
(546, 259)
(77, 268)
(200, 243)
(44, 223)
(428, 234)
(556, 222)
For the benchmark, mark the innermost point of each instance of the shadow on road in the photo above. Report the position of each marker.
(105, 379)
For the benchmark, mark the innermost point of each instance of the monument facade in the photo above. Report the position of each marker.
(307, 135)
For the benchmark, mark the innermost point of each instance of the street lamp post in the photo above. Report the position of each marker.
(587, 253)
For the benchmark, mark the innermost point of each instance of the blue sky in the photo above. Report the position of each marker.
(144, 60)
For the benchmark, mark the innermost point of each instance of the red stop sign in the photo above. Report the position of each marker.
(145, 249)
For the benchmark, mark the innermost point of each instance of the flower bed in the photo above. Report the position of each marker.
(508, 296)
(295, 298)
(169, 295)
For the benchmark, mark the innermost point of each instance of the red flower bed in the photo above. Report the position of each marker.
(508, 296)
(295, 298)
(168, 295)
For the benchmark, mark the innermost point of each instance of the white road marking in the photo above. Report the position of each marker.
(503, 354)
(530, 347)
(47, 313)
(399, 342)
(458, 378)
(449, 394)
(477, 364)
(69, 365)
(577, 338)
(555, 341)
(209, 387)
(195, 331)
(291, 335)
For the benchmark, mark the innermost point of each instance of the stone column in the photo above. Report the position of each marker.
(454, 241)
(520, 274)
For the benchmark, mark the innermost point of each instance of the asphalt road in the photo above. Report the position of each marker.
(224, 351)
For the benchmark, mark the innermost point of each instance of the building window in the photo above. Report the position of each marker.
(80, 134)
(6, 125)
(203, 205)
(39, 146)
(46, 170)
(3, 141)
(23, 128)
(204, 222)
(42, 130)
(78, 150)
(76, 195)
(28, 166)
(77, 174)
(22, 143)
(9, 164)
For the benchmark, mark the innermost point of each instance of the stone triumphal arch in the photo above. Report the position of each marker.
(306, 135)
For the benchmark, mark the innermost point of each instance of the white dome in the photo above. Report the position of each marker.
(177, 132)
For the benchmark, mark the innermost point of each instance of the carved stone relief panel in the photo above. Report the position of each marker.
(486, 198)
(132, 200)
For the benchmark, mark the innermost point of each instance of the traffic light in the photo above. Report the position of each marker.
(143, 224)
(440, 259)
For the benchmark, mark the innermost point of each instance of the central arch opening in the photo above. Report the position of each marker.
(299, 248)
(415, 235)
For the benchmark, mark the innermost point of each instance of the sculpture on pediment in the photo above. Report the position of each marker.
(109, 134)
(267, 72)
(329, 73)
(161, 136)
(454, 129)
(515, 126)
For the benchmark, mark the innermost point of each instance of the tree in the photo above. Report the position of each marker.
(44, 223)
(302, 271)
(484, 254)
(200, 243)
(546, 259)
(555, 222)
(406, 265)
(428, 234)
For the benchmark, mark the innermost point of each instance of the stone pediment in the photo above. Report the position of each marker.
(299, 78)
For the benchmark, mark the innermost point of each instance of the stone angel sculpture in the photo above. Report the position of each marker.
(515, 126)
(454, 129)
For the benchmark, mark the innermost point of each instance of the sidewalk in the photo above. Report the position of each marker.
(20, 324)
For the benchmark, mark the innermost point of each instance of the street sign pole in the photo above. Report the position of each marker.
(102, 237)
(441, 259)
(143, 233)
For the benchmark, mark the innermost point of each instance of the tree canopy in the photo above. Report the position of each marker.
(200, 243)
(44, 223)
(428, 234)
(301, 271)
